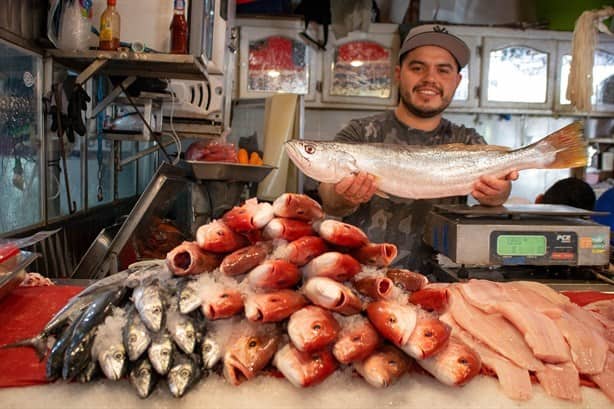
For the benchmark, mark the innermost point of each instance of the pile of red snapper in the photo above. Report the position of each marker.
(308, 295)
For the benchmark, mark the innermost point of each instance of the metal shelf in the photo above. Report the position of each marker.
(129, 63)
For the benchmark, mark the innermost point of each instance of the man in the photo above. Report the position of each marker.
(430, 60)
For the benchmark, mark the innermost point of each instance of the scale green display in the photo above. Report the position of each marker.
(556, 247)
(521, 245)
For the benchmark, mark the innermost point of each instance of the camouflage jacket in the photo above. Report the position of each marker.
(396, 220)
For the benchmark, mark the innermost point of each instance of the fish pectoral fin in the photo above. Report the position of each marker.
(382, 194)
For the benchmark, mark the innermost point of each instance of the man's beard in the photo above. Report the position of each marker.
(423, 113)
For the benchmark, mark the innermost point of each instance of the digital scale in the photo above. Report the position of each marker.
(518, 235)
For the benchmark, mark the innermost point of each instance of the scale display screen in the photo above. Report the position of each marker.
(521, 245)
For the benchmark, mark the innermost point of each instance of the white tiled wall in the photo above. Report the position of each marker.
(509, 130)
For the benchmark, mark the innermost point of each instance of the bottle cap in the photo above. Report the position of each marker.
(111, 2)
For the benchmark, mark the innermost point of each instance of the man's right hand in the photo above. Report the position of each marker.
(356, 189)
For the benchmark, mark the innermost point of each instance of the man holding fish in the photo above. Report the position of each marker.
(385, 172)
(428, 74)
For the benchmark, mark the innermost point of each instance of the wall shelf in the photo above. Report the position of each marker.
(128, 63)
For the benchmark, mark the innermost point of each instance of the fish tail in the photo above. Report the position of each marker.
(38, 343)
(569, 145)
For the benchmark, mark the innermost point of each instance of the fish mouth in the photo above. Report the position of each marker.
(295, 155)
(236, 372)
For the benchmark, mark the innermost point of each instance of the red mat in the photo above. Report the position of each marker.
(23, 314)
(25, 311)
(586, 297)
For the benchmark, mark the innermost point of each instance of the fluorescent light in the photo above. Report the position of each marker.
(273, 73)
(356, 63)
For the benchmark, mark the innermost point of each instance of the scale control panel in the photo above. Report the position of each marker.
(536, 248)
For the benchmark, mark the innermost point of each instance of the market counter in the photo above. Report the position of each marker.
(18, 319)
(338, 391)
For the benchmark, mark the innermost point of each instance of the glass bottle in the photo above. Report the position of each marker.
(179, 29)
(109, 27)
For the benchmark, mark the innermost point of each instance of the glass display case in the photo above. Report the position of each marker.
(466, 93)
(21, 159)
(602, 99)
(275, 61)
(518, 73)
(359, 69)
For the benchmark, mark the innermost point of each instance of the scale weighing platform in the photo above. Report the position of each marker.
(535, 235)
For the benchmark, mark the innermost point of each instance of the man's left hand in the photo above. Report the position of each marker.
(494, 191)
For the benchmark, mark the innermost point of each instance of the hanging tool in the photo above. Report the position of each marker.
(72, 206)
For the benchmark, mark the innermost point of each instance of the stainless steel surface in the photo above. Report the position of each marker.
(161, 193)
(517, 210)
(471, 240)
(13, 271)
(232, 172)
(95, 254)
(127, 63)
(194, 129)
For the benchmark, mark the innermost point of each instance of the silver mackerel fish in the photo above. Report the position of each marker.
(424, 172)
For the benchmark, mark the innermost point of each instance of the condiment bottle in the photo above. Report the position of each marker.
(179, 29)
(109, 27)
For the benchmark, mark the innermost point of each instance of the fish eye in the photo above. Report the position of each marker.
(392, 362)
(392, 320)
(143, 372)
(252, 343)
(118, 356)
(356, 338)
(428, 333)
(224, 295)
(132, 338)
(165, 352)
(317, 327)
(463, 361)
(219, 233)
(185, 373)
(274, 299)
(310, 149)
(156, 310)
(316, 357)
(207, 348)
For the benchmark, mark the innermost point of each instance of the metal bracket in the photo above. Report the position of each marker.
(112, 95)
(91, 70)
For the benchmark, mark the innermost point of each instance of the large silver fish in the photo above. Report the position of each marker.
(143, 377)
(422, 172)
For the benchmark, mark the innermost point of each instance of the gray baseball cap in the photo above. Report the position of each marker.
(437, 35)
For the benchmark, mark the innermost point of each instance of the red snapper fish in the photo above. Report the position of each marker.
(274, 306)
(248, 354)
(341, 234)
(413, 331)
(304, 368)
(274, 275)
(287, 229)
(455, 365)
(217, 237)
(384, 367)
(312, 328)
(424, 172)
(241, 261)
(297, 206)
(332, 295)
(189, 259)
(378, 288)
(304, 249)
(357, 340)
(251, 215)
(333, 264)
(375, 254)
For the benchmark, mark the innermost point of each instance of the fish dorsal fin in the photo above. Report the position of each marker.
(451, 147)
